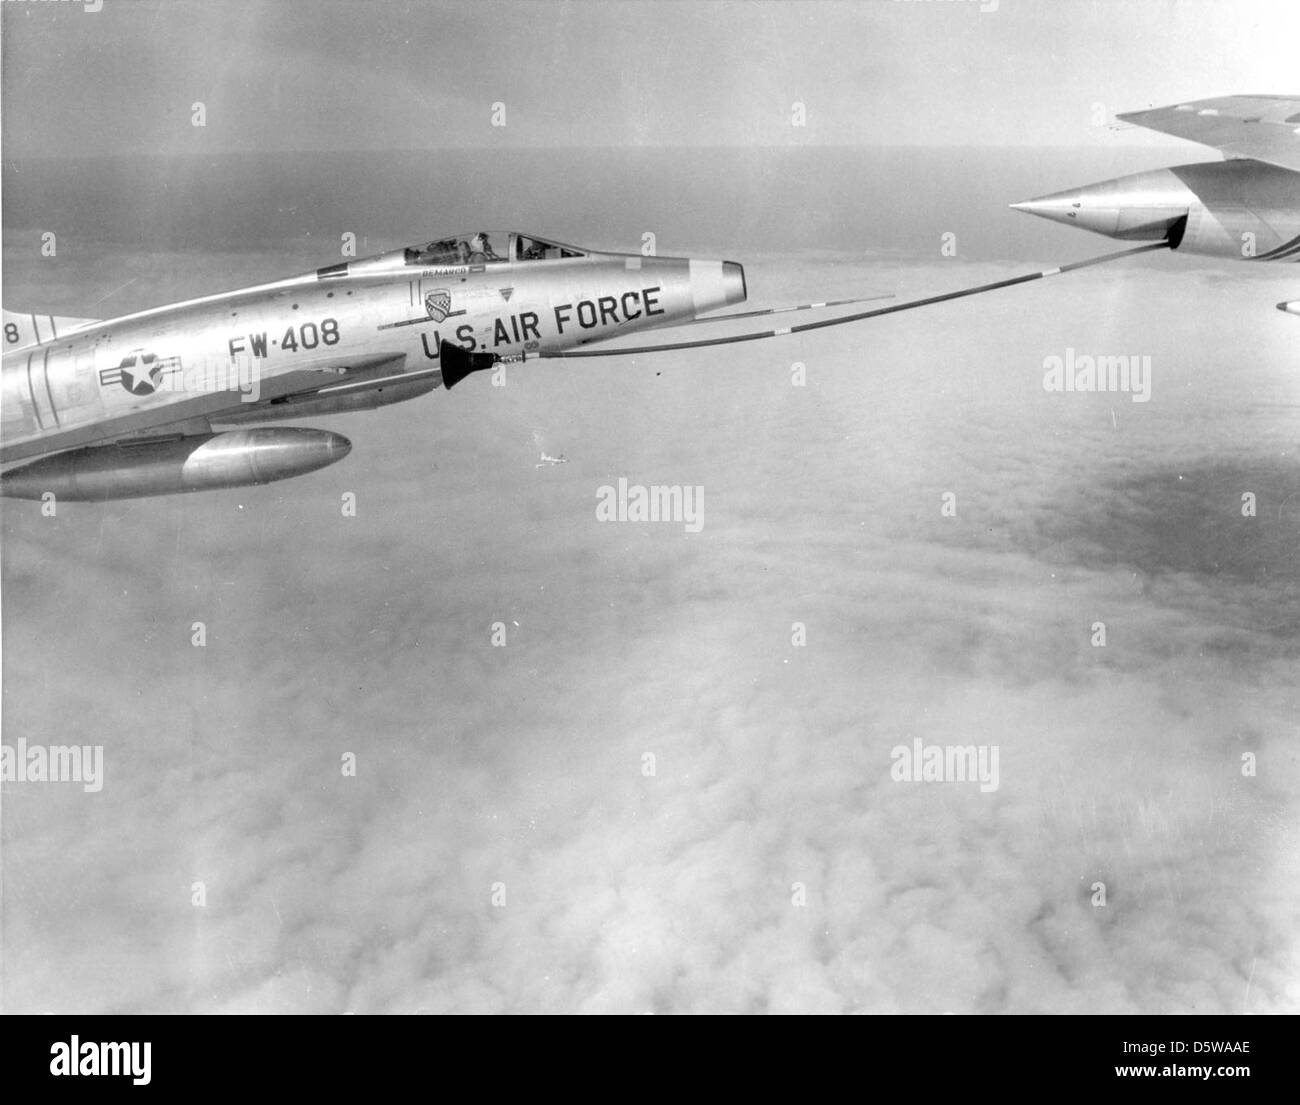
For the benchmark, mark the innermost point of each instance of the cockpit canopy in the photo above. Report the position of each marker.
(484, 247)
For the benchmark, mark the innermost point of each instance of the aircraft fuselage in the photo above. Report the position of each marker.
(240, 356)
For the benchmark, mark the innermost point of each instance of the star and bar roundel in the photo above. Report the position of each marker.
(139, 372)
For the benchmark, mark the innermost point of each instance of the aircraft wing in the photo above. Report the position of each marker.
(343, 374)
(1265, 128)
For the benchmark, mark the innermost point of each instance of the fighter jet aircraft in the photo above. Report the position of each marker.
(179, 390)
(1247, 206)
(175, 398)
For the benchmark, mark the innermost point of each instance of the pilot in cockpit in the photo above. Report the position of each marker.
(481, 249)
(444, 251)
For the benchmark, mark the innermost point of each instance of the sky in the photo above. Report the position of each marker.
(277, 76)
(650, 798)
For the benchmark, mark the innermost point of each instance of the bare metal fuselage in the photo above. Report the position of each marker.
(308, 345)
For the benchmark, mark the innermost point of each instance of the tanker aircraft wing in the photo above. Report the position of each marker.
(1263, 128)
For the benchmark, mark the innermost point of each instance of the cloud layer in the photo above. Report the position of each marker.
(502, 846)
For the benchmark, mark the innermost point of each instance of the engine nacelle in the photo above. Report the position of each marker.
(164, 466)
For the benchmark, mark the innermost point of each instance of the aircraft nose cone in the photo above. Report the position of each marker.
(337, 447)
(1061, 207)
(1292, 308)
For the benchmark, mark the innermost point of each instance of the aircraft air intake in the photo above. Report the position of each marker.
(716, 284)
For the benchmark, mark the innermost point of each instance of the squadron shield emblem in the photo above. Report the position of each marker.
(438, 304)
